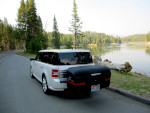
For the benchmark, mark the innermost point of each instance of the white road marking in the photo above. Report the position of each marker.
(4, 58)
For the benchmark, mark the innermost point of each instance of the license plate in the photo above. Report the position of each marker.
(95, 87)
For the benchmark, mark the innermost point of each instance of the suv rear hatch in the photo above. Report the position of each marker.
(88, 77)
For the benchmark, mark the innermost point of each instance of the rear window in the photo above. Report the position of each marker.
(74, 58)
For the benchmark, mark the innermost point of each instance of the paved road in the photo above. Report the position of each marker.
(21, 94)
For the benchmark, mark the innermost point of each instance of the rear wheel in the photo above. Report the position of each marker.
(44, 85)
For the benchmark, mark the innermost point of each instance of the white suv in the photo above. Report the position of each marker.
(53, 68)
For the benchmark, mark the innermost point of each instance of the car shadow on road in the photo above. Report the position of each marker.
(71, 94)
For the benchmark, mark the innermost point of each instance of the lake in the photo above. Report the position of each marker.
(137, 54)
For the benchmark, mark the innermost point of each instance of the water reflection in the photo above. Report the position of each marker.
(134, 45)
(137, 54)
(104, 49)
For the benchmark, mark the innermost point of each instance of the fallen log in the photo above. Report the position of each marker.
(119, 67)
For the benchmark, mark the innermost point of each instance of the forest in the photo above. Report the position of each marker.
(30, 36)
(136, 38)
(87, 38)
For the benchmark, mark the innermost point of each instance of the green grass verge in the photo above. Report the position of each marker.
(139, 85)
(24, 53)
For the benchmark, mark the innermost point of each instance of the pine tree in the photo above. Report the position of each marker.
(1, 35)
(30, 25)
(55, 34)
(31, 20)
(21, 20)
(39, 25)
(27, 5)
(41, 33)
(26, 11)
(68, 45)
(75, 24)
(22, 16)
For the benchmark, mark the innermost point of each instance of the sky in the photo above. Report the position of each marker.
(113, 17)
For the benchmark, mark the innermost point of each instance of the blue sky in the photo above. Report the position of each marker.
(116, 17)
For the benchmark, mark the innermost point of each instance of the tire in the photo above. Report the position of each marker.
(44, 85)
(31, 72)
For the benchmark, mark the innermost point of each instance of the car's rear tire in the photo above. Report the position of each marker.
(45, 85)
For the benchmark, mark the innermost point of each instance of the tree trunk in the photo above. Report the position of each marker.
(119, 67)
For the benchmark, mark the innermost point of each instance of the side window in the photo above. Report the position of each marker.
(54, 59)
(37, 57)
(40, 56)
(45, 58)
(48, 57)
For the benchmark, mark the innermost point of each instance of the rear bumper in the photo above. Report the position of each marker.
(84, 85)
(87, 86)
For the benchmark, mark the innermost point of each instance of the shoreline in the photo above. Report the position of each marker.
(138, 74)
(147, 43)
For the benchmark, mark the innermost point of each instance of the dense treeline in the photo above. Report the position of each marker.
(10, 37)
(99, 38)
(147, 37)
(134, 38)
(28, 34)
(88, 38)
(137, 38)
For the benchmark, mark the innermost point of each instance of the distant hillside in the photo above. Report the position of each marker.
(134, 38)
(86, 38)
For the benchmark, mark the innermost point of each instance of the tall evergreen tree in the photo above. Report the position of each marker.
(21, 20)
(55, 34)
(39, 25)
(31, 24)
(43, 37)
(31, 20)
(27, 5)
(75, 24)
(22, 16)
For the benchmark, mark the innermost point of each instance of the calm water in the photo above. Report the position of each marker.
(137, 54)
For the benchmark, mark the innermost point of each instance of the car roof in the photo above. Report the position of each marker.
(64, 50)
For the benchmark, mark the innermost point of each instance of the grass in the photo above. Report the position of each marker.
(139, 85)
(24, 53)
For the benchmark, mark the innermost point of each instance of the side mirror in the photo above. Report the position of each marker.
(32, 59)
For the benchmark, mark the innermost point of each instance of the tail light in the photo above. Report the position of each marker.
(107, 79)
(55, 73)
(76, 84)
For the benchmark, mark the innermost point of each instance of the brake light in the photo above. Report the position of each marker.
(55, 73)
(76, 84)
(107, 79)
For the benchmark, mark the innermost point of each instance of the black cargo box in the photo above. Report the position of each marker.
(85, 76)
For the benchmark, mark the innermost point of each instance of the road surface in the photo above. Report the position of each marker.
(21, 94)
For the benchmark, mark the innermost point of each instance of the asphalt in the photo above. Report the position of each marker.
(21, 94)
(129, 95)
